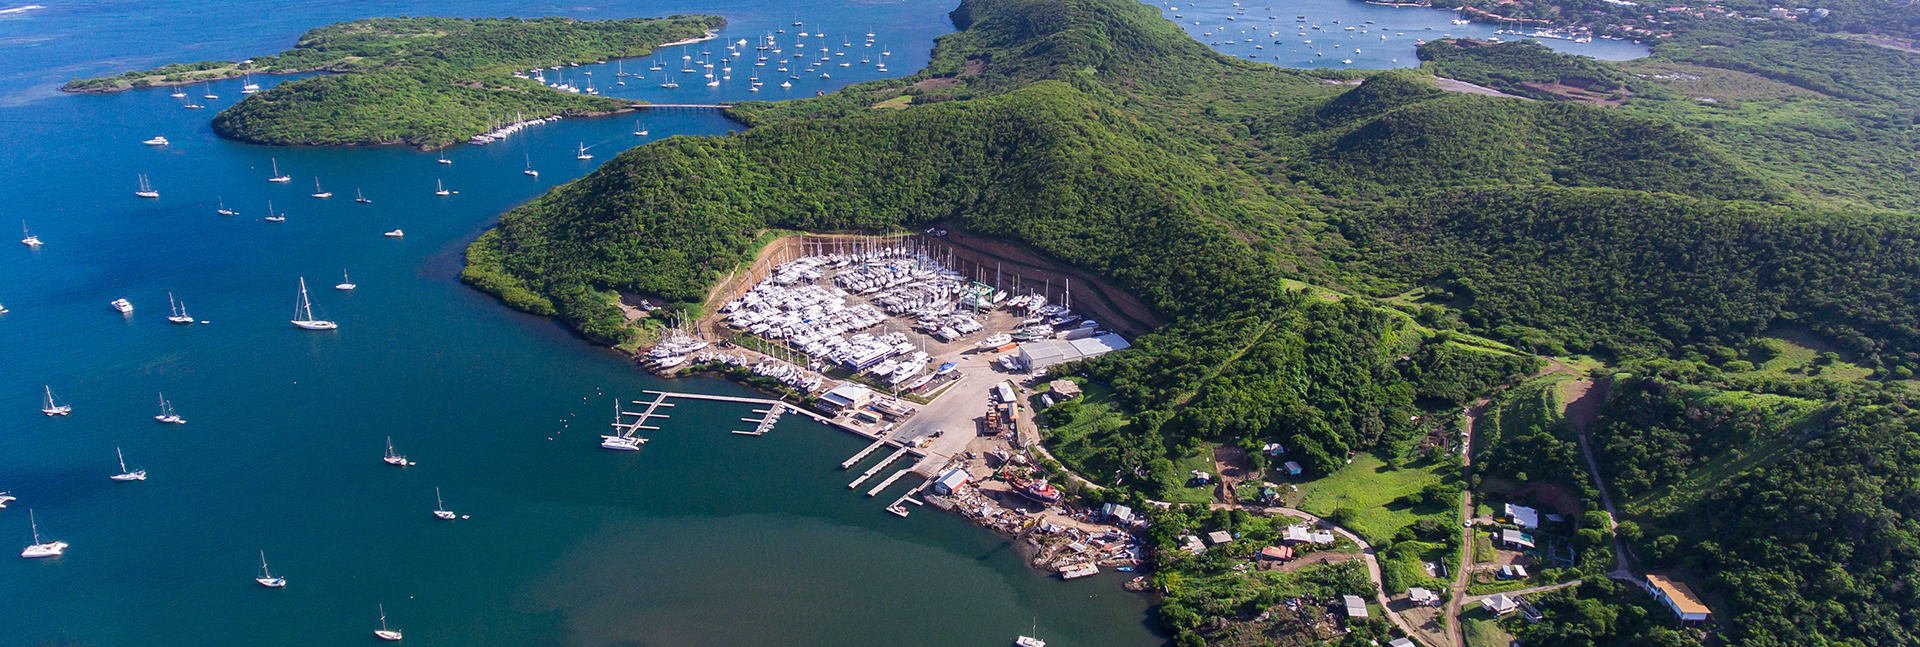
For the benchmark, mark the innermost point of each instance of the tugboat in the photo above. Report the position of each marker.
(1036, 489)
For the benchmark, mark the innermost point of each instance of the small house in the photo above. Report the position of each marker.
(1192, 544)
(1297, 534)
(1276, 553)
(1293, 469)
(1500, 604)
(1519, 572)
(1523, 516)
(1063, 390)
(1356, 607)
(1423, 597)
(950, 481)
(1218, 537)
(1516, 540)
(1117, 512)
(1679, 598)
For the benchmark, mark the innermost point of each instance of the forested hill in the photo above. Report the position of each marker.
(423, 81)
(1452, 236)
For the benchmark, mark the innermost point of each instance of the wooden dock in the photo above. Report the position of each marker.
(877, 467)
(863, 454)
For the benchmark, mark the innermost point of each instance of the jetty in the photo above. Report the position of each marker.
(649, 413)
(765, 423)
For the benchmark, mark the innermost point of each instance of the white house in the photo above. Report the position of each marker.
(1523, 516)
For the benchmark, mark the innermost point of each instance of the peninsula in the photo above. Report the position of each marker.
(427, 81)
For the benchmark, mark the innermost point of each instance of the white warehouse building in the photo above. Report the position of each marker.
(1038, 355)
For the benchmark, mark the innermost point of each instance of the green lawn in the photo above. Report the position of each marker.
(1370, 487)
(1183, 470)
(1482, 631)
(1795, 354)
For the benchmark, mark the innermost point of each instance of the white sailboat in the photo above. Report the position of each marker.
(223, 210)
(146, 188)
(167, 414)
(444, 160)
(274, 217)
(530, 172)
(266, 578)
(346, 282)
(124, 475)
(277, 177)
(303, 312)
(52, 407)
(440, 188)
(583, 153)
(440, 507)
(395, 234)
(27, 237)
(178, 93)
(40, 546)
(179, 310)
(384, 633)
(318, 193)
(393, 457)
(623, 438)
(1029, 641)
(360, 197)
(250, 86)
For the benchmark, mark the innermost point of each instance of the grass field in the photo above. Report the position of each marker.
(1797, 355)
(1482, 631)
(1369, 487)
(1720, 84)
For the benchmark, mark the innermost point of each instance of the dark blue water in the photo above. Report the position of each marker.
(702, 538)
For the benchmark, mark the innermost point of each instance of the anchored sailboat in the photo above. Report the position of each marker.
(146, 188)
(318, 192)
(639, 130)
(266, 578)
(274, 217)
(584, 155)
(440, 507)
(440, 188)
(167, 414)
(41, 547)
(303, 312)
(277, 177)
(395, 459)
(360, 198)
(384, 633)
(530, 172)
(52, 407)
(27, 237)
(223, 210)
(346, 282)
(179, 310)
(124, 475)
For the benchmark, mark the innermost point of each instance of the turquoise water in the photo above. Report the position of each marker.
(1272, 32)
(702, 538)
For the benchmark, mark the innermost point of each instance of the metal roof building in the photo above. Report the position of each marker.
(1038, 355)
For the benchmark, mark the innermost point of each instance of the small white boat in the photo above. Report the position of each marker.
(1029, 641)
(395, 233)
(266, 578)
(124, 306)
(383, 632)
(223, 210)
(639, 131)
(6, 498)
(27, 237)
(277, 177)
(124, 475)
(178, 93)
(346, 282)
(440, 507)
(318, 193)
(52, 407)
(583, 153)
(274, 217)
(146, 188)
(156, 141)
(303, 312)
(440, 188)
(358, 197)
(530, 172)
(444, 160)
(394, 458)
(41, 547)
(167, 414)
(179, 310)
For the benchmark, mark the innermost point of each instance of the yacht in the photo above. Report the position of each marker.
(360, 198)
(156, 141)
(383, 633)
(440, 507)
(223, 210)
(167, 414)
(670, 85)
(346, 282)
(5, 499)
(639, 131)
(395, 234)
(530, 172)
(124, 306)
(394, 458)
(1029, 641)
(444, 160)
(41, 547)
(178, 93)
(28, 239)
(250, 86)
(440, 188)
(277, 177)
(178, 311)
(124, 475)
(52, 407)
(274, 217)
(146, 188)
(209, 94)
(584, 155)
(303, 312)
(318, 193)
(786, 84)
(266, 578)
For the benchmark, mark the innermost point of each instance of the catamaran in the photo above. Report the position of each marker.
(41, 547)
(440, 507)
(266, 578)
(393, 457)
(124, 306)
(639, 131)
(52, 407)
(6, 498)
(318, 193)
(223, 210)
(583, 153)
(360, 198)
(623, 438)
(277, 177)
(179, 310)
(28, 238)
(303, 312)
(274, 217)
(384, 633)
(530, 172)
(440, 188)
(346, 282)
(167, 414)
(124, 475)
(250, 86)
(146, 188)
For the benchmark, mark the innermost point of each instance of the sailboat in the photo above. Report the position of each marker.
(396, 234)
(639, 131)
(28, 239)
(360, 198)
(444, 160)
(146, 188)
(178, 93)
(124, 475)
(223, 210)
(266, 578)
(6, 498)
(384, 633)
(277, 177)
(156, 141)
(318, 193)
(346, 282)
(394, 458)
(530, 172)
(250, 86)
(1029, 641)
(303, 312)
(274, 217)
(41, 547)
(209, 94)
(440, 507)
(179, 310)
(167, 414)
(583, 153)
(440, 188)
(53, 407)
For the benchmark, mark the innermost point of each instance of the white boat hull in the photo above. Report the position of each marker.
(391, 636)
(444, 514)
(272, 582)
(316, 325)
(49, 549)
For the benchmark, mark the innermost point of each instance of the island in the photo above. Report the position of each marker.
(1588, 354)
(423, 81)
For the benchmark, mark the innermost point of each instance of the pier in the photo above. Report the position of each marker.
(765, 423)
(863, 454)
(649, 413)
(877, 467)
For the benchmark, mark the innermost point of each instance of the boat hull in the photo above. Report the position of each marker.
(49, 549)
(316, 325)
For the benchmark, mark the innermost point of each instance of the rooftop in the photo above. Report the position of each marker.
(1683, 597)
